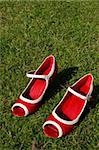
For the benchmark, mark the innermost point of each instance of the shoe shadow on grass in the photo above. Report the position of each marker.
(61, 81)
(94, 100)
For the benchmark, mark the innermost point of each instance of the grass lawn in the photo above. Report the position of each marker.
(30, 31)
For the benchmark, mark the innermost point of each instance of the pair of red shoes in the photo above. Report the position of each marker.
(67, 113)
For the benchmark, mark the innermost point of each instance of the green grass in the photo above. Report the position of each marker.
(30, 31)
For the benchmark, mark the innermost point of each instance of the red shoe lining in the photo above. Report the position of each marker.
(51, 131)
(72, 105)
(37, 86)
(18, 111)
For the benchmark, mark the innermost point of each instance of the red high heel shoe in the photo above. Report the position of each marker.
(30, 99)
(67, 113)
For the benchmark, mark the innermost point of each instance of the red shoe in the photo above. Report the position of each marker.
(67, 113)
(30, 99)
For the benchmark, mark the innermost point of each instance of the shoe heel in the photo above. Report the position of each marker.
(55, 73)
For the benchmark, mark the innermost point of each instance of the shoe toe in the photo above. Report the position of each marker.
(18, 111)
(51, 131)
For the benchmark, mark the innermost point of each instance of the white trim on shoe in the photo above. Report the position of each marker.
(56, 125)
(21, 106)
(45, 77)
(77, 94)
(87, 96)
(68, 122)
(36, 100)
(82, 78)
(53, 67)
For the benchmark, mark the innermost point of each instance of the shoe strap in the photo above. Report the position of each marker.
(76, 93)
(31, 74)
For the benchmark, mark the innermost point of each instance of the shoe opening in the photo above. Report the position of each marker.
(37, 86)
(51, 131)
(18, 111)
